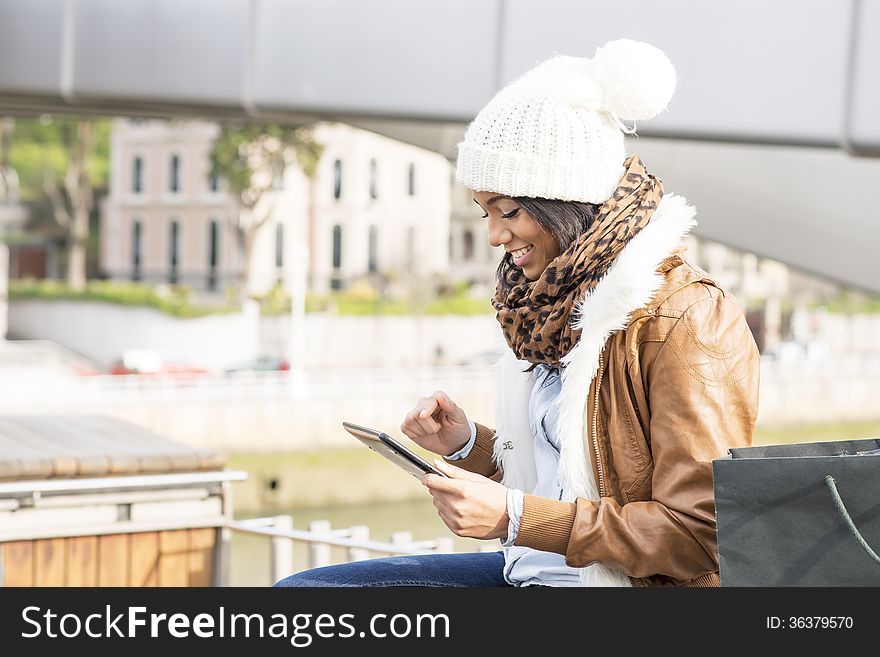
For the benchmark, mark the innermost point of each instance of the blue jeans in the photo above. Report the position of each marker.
(460, 569)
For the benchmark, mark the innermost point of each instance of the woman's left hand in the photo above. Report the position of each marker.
(471, 505)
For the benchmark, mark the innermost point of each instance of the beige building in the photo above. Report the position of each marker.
(376, 208)
(164, 220)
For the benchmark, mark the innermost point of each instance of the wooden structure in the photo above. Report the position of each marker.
(95, 501)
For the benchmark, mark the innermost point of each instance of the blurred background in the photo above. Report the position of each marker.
(235, 224)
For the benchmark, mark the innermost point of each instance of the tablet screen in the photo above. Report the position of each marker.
(392, 450)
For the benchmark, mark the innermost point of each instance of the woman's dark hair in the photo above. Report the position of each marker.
(564, 220)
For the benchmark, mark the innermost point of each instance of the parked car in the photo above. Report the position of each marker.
(145, 362)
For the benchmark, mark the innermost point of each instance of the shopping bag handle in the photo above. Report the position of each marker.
(841, 509)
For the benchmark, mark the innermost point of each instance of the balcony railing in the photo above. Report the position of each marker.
(321, 537)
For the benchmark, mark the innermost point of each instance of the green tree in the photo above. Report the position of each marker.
(64, 161)
(250, 158)
(9, 186)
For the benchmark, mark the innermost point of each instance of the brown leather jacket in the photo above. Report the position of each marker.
(674, 391)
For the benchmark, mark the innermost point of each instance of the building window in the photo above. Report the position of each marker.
(374, 192)
(137, 183)
(335, 281)
(337, 179)
(136, 241)
(279, 245)
(468, 245)
(337, 247)
(373, 255)
(214, 182)
(213, 254)
(174, 174)
(173, 251)
(411, 179)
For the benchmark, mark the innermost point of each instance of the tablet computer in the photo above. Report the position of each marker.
(392, 450)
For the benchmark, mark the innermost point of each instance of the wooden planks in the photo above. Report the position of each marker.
(174, 558)
(113, 560)
(82, 561)
(70, 446)
(18, 563)
(201, 556)
(145, 559)
(184, 557)
(50, 562)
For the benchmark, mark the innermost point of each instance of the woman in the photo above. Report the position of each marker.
(629, 370)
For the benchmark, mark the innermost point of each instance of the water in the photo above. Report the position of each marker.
(250, 565)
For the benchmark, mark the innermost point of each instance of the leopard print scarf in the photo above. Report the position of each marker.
(535, 315)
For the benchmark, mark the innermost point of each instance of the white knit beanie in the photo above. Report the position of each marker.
(556, 132)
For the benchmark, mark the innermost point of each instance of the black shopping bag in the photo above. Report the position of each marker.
(806, 514)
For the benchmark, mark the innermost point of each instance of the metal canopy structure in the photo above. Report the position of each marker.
(785, 73)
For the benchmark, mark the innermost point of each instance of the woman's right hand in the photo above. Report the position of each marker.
(437, 424)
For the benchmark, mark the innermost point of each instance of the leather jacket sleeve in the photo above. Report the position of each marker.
(480, 460)
(702, 388)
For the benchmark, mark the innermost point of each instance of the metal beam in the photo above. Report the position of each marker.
(782, 72)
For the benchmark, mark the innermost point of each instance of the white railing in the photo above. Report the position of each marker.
(321, 537)
(321, 384)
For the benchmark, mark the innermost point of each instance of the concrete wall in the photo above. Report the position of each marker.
(104, 332)
(387, 341)
(266, 425)
(819, 391)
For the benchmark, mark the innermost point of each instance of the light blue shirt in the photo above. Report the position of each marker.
(526, 566)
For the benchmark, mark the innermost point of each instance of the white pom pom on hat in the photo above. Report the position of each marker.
(637, 79)
(555, 131)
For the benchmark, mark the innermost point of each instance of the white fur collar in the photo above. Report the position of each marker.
(630, 283)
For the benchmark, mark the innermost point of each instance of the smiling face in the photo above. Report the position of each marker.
(532, 248)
